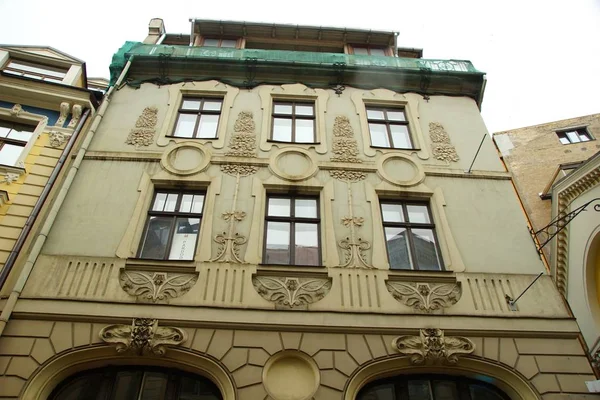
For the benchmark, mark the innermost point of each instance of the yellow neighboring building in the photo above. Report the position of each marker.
(265, 211)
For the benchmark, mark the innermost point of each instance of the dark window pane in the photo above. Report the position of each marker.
(157, 237)
(377, 52)
(183, 245)
(382, 392)
(397, 246)
(445, 390)
(425, 249)
(153, 386)
(196, 389)
(127, 385)
(186, 124)
(362, 51)
(279, 207)
(392, 213)
(479, 392)
(278, 243)
(211, 42)
(228, 43)
(419, 390)
(90, 387)
(307, 244)
(282, 129)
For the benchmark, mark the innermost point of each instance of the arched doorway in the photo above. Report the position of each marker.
(430, 387)
(136, 382)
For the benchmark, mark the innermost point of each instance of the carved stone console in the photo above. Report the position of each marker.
(291, 290)
(433, 347)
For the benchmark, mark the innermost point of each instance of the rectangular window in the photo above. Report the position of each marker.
(198, 118)
(219, 42)
(388, 128)
(293, 122)
(172, 227)
(13, 139)
(410, 236)
(292, 231)
(574, 136)
(369, 51)
(36, 71)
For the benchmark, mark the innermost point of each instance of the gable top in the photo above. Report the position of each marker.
(44, 51)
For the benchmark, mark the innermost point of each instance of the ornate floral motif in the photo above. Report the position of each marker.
(291, 292)
(143, 336)
(345, 146)
(229, 246)
(348, 176)
(356, 221)
(57, 139)
(77, 110)
(432, 347)
(10, 178)
(441, 146)
(145, 128)
(354, 250)
(243, 141)
(426, 297)
(16, 110)
(239, 169)
(156, 287)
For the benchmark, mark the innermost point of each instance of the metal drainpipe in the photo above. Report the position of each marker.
(60, 198)
(14, 253)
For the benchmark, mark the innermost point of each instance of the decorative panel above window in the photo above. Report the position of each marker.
(388, 128)
(198, 118)
(13, 139)
(292, 231)
(293, 122)
(173, 224)
(36, 71)
(410, 236)
(574, 136)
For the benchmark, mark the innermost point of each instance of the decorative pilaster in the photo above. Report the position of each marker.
(432, 347)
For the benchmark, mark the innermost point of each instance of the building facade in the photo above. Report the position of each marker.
(267, 211)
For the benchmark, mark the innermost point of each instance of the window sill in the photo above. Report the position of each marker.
(295, 143)
(160, 265)
(396, 148)
(189, 138)
(412, 275)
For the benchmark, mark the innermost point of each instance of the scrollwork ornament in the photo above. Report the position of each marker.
(143, 336)
(243, 140)
(291, 292)
(442, 148)
(354, 253)
(348, 176)
(427, 297)
(229, 247)
(345, 146)
(145, 128)
(239, 169)
(433, 347)
(156, 287)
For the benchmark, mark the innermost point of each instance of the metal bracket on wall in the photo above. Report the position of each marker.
(250, 63)
(339, 86)
(543, 236)
(512, 304)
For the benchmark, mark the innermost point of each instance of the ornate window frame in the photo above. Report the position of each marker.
(299, 93)
(197, 89)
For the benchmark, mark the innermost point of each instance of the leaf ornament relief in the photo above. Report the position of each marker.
(143, 336)
(156, 287)
(427, 297)
(291, 292)
(433, 347)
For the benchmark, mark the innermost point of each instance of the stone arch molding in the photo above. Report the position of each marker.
(63, 365)
(508, 380)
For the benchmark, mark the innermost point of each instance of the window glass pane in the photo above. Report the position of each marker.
(382, 392)
(379, 135)
(36, 70)
(127, 385)
(304, 109)
(85, 387)
(361, 51)
(278, 243)
(400, 136)
(307, 244)
(159, 202)
(425, 249)
(564, 140)
(9, 154)
(186, 203)
(183, 245)
(377, 52)
(211, 42)
(397, 246)
(445, 391)
(185, 125)
(375, 114)
(191, 104)
(483, 393)
(283, 108)
(418, 214)
(419, 390)
(573, 136)
(396, 115)
(212, 105)
(4, 131)
(279, 207)
(208, 126)
(154, 386)
(171, 202)
(228, 43)
(196, 389)
(20, 135)
(157, 237)
(583, 136)
(198, 203)
(305, 131)
(305, 208)
(392, 213)
(282, 129)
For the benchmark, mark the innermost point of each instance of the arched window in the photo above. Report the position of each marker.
(430, 387)
(136, 383)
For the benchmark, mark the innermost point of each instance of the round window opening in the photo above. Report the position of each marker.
(430, 387)
(135, 383)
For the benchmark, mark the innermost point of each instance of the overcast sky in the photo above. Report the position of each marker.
(542, 58)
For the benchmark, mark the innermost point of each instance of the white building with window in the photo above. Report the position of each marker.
(264, 211)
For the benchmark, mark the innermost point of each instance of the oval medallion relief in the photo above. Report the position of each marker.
(186, 159)
(293, 165)
(291, 375)
(400, 170)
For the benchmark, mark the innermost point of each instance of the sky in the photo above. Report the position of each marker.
(542, 58)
